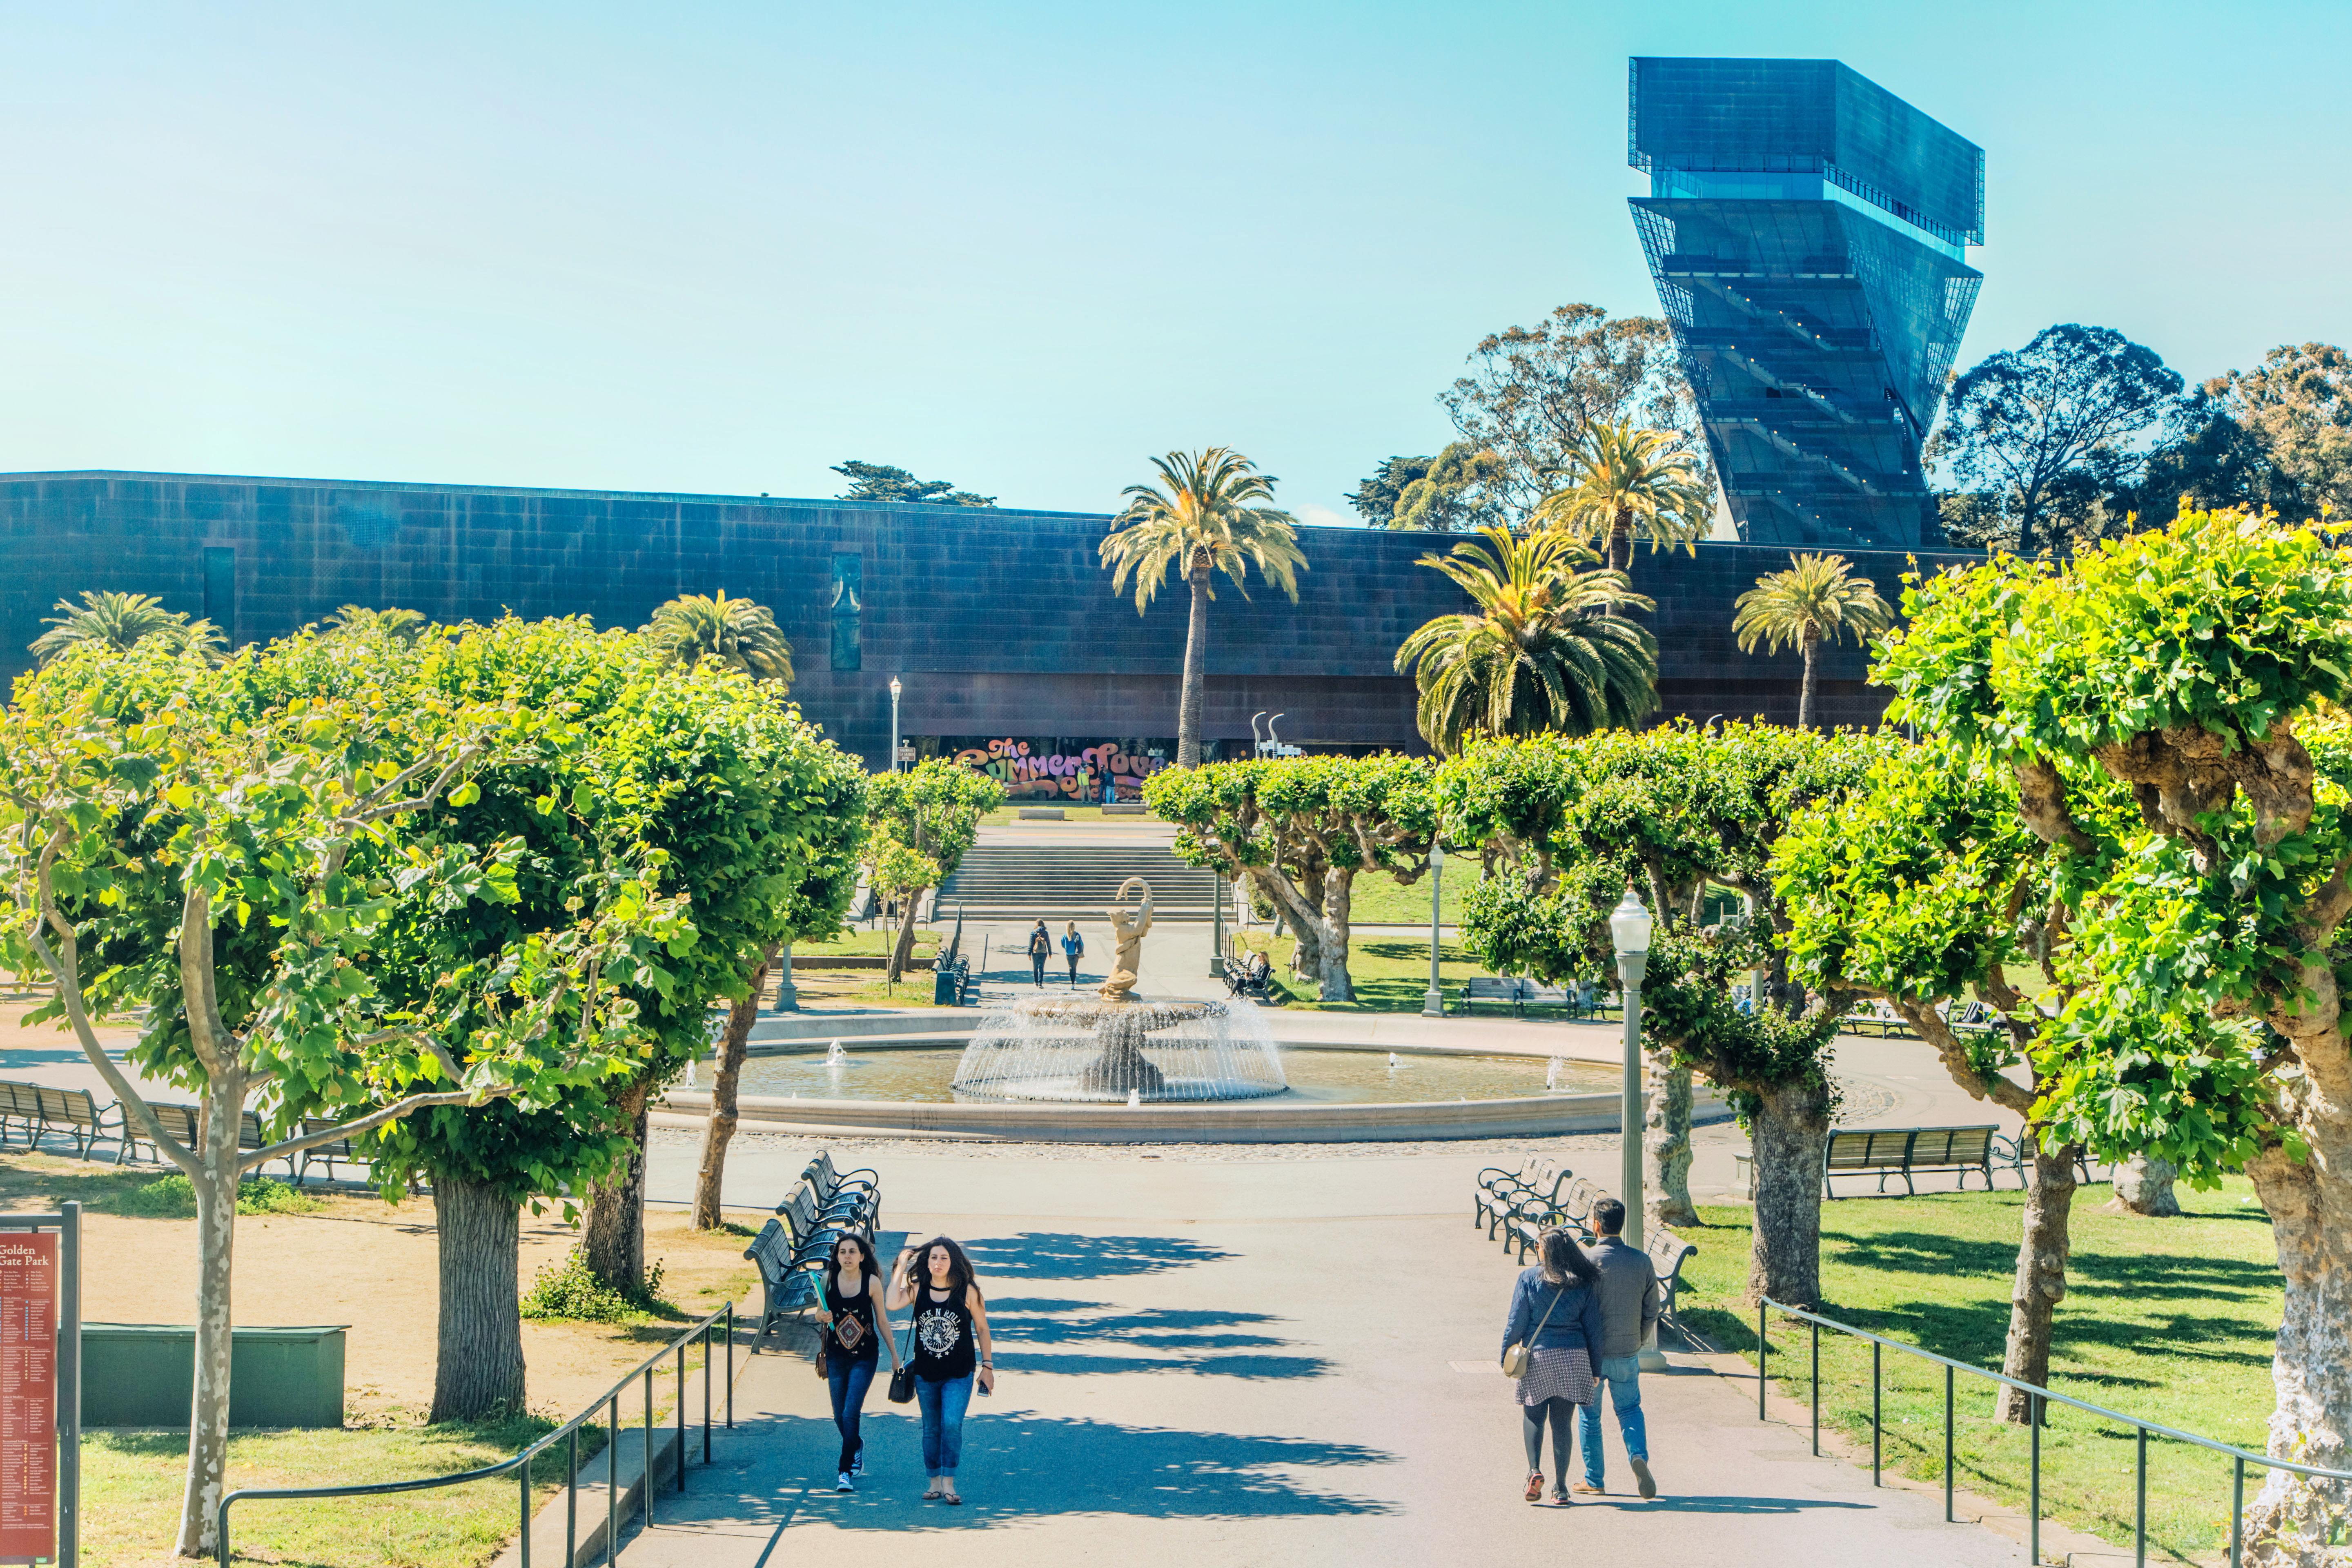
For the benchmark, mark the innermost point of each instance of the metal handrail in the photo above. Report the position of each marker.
(1879, 1344)
(607, 1403)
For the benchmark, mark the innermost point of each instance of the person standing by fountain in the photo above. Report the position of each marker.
(1041, 948)
(1555, 1319)
(1074, 948)
(856, 1325)
(952, 1348)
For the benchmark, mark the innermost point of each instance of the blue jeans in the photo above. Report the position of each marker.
(1623, 1377)
(849, 1381)
(942, 1406)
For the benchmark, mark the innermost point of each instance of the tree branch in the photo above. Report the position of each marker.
(253, 1158)
(1938, 1032)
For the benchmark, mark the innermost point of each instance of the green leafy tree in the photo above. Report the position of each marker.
(1458, 493)
(1624, 483)
(2298, 405)
(118, 621)
(1813, 601)
(1301, 829)
(881, 482)
(1534, 393)
(1546, 651)
(736, 632)
(920, 824)
(2194, 676)
(1203, 518)
(402, 627)
(1375, 499)
(225, 848)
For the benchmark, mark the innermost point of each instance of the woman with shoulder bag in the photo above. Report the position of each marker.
(1551, 1344)
(952, 1348)
(856, 1326)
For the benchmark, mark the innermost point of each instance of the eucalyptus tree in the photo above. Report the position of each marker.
(1547, 650)
(119, 621)
(1625, 482)
(2170, 707)
(1813, 601)
(1301, 829)
(1204, 516)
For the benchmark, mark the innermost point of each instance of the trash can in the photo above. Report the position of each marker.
(143, 1374)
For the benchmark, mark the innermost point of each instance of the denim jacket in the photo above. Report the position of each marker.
(1576, 1321)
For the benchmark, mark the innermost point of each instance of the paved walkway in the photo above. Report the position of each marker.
(1258, 1362)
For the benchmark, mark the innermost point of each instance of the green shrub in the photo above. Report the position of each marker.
(568, 1290)
(172, 1197)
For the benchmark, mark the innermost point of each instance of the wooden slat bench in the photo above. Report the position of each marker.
(1668, 1253)
(1908, 1151)
(1519, 992)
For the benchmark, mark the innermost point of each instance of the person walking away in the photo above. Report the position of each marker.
(1041, 948)
(1556, 1317)
(1629, 1314)
(857, 1324)
(952, 1347)
(1074, 948)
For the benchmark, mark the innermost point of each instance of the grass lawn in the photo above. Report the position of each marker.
(1392, 974)
(2167, 1321)
(1379, 899)
(861, 943)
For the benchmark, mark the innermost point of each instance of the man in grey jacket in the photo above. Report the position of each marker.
(1629, 1311)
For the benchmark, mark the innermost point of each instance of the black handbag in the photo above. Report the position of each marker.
(902, 1377)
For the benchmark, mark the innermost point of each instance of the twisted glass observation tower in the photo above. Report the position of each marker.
(1806, 229)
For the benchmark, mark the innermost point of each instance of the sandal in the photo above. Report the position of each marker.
(1535, 1486)
(933, 1494)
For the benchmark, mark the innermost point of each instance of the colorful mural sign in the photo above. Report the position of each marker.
(1033, 769)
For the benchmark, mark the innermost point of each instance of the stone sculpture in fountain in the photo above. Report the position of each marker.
(1129, 931)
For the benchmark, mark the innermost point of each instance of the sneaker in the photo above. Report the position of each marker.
(1535, 1486)
(1643, 1478)
(842, 1483)
(858, 1465)
(1588, 1489)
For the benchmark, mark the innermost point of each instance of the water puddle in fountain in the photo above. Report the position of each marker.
(1326, 1076)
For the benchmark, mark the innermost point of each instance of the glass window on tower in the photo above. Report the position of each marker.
(220, 588)
(848, 601)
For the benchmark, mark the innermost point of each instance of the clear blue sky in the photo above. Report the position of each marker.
(1017, 246)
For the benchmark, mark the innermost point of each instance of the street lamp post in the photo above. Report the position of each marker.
(1629, 929)
(1432, 1002)
(895, 690)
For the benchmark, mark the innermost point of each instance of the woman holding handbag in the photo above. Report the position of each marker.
(1551, 1344)
(952, 1348)
(856, 1326)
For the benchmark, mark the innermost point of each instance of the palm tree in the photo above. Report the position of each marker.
(1549, 648)
(404, 626)
(121, 620)
(1812, 601)
(1624, 480)
(1201, 519)
(737, 632)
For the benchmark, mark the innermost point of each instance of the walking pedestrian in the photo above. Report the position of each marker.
(1041, 948)
(1074, 948)
(1552, 1341)
(951, 1348)
(856, 1325)
(1629, 1314)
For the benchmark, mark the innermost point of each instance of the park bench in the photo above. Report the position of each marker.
(41, 1109)
(784, 1287)
(1908, 1151)
(1571, 1210)
(330, 1155)
(1516, 990)
(816, 1229)
(861, 1188)
(1668, 1253)
(181, 1122)
(1242, 982)
(1497, 1189)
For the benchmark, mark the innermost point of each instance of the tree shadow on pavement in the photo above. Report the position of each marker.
(1060, 1255)
(1185, 1334)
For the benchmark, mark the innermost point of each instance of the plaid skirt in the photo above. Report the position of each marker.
(1564, 1374)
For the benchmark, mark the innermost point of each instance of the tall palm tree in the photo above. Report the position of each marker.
(1547, 650)
(1811, 601)
(1623, 482)
(737, 632)
(1201, 519)
(399, 626)
(120, 620)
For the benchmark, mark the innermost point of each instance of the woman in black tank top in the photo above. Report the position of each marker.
(952, 1348)
(857, 1327)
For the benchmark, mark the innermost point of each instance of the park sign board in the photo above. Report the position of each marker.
(29, 1277)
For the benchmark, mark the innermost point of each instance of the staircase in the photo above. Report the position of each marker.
(1071, 881)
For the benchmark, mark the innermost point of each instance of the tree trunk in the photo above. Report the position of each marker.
(716, 1132)
(216, 1189)
(1805, 688)
(1620, 545)
(477, 1370)
(1665, 1143)
(903, 950)
(2040, 1281)
(1196, 673)
(2310, 1205)
(1791, 1133)
(1331, 945)
(2144, 1187)
(613, 1239)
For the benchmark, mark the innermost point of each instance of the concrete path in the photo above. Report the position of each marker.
(1273, 1362)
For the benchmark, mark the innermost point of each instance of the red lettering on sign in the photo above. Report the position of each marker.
(28, 1395)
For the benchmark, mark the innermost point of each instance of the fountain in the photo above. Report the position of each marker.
(836, 1057)
(1081, 1049)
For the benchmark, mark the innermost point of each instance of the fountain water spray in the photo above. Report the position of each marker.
(835, 1056)
(1080, 1048)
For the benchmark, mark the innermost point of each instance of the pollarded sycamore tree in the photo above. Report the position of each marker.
(1547, 650)
(2194, 672)
(1565, 825)
(1301, 829)
(1624, 483)
(1205, 517)
(919, 824)
(1813, 601)
(223, 845)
